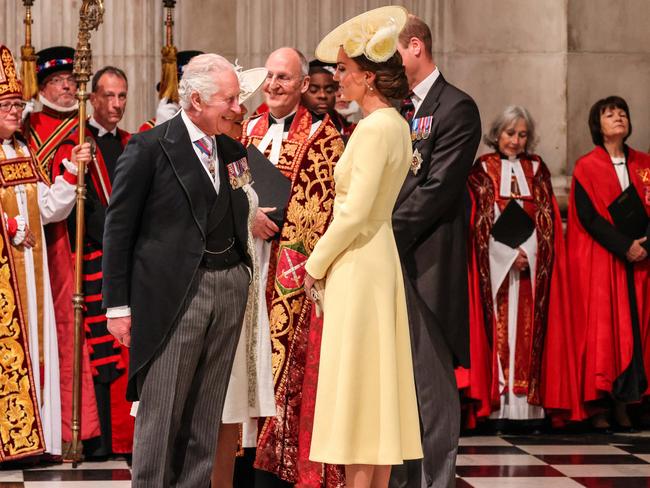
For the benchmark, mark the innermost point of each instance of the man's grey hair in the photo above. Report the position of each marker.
(511, 114)
(197, 77)
(304, 64)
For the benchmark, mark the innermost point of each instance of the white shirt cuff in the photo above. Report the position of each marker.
(72, 168)
(117, 312)
(18, 239)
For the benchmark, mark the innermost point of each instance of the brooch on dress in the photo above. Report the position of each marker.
(238, 173)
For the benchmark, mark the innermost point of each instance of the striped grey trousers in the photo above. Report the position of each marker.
(182, 393)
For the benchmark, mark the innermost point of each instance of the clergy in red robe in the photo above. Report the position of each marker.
(304, 147)
(108, 358)
(610, 285)
(35, 406)
(519, 327)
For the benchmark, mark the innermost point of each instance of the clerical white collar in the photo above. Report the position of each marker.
(100, 128)
(56, 107)
(280, 120)
(422, 88)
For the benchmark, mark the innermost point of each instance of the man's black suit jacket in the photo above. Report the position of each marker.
(429, 218)
(155, 231)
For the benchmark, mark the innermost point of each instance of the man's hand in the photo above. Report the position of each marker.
(30, 238)
(263, 227)
(636, 252)
(521, 263)
(81, 154)
(120, 328)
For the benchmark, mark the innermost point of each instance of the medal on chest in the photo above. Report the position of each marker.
(238, 173)
(416, 162)
(421, 128)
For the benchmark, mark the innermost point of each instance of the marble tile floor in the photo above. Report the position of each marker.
(540, 461)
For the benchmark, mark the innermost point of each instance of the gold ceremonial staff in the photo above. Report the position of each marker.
(90, 16)
(169, 75)
(28, 56)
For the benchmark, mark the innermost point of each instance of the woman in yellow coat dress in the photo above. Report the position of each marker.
(366, 410)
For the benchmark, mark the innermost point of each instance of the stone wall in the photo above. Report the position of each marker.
(555, 57)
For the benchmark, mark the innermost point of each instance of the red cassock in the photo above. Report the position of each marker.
(108, 359)
(45, 131)
(602, 283)
(546, 370)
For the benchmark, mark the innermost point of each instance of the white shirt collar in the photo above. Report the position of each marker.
(101, 130)
(194, 132)
(421, 89)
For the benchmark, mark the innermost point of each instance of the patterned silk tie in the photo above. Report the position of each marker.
(205, 146)
(408, 109)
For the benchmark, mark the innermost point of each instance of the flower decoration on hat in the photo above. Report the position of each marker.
(374, 33)
(378, 44)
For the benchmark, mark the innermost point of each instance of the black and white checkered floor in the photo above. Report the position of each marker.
(557, 461)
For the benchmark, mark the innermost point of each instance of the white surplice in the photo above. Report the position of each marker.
(502, 257)
(55, 203)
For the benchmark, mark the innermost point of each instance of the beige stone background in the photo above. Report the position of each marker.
(556, 57)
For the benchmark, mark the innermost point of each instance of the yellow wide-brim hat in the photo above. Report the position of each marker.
(250, 81)
(360, 33)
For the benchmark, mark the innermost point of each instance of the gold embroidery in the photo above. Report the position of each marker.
(19, 425)
(644, 174)
(12, 172)
(12, 85)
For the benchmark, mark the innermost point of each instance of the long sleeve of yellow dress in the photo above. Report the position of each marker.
(367, 160)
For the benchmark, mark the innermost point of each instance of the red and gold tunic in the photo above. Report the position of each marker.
(21, 432)
(543, 338)
(308, 160)
(45, 131)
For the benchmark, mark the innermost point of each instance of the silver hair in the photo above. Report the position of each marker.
(197, 77)
(304, 64)
(510, 115)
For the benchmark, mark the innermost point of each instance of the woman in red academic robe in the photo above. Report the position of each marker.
(610, 270)
(520, 337)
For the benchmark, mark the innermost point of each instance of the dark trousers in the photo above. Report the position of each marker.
(438, 402)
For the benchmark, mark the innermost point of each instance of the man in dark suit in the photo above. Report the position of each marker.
(430, 230)
(175, 274)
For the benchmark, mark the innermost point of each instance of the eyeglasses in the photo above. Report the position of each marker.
(60, 80)
(280, 78)
(5, 107)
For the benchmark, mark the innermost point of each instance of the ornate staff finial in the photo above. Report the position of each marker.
(169, 72)
(91, 15)
(28, 56)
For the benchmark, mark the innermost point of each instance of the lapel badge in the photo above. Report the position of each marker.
(416, 162)
(238, 173)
